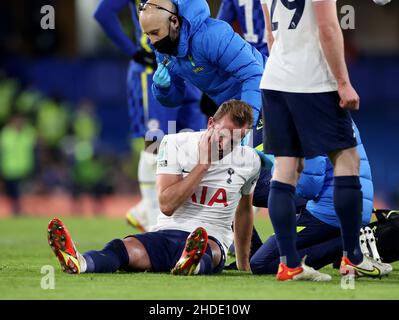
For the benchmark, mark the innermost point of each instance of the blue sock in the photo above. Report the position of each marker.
(282, 215)
(348, 204)
(110, 259)
(206, 264)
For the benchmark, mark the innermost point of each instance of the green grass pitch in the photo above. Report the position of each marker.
(24, 250)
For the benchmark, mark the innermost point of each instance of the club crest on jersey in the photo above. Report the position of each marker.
(230, 172)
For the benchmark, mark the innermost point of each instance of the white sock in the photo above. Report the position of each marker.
(147, 178)
(82, 262)
(197, 269)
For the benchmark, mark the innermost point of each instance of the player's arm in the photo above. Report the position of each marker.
(243, 224)
(244, 219)
(332, 43)
(268, 25)
(227, 12)
(106, 15)
(173, 189)
(227, 50)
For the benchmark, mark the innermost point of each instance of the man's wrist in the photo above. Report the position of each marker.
(343, 82)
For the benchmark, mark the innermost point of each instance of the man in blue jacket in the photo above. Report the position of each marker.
(148, 117)
(193, 48)
(318, 227)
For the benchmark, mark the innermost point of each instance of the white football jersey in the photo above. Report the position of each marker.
(297, 62)
(214, 202)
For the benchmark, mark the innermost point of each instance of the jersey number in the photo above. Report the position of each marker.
(297, 5)
(250, 35)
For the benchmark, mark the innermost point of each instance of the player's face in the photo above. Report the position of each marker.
(228, 135)
(155, 28)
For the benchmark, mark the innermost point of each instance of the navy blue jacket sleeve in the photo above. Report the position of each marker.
(311, 181)
(107, 16)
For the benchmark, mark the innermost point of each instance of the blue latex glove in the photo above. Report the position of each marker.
(267, 160)
(161, 77)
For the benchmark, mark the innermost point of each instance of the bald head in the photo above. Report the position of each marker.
(159, 22)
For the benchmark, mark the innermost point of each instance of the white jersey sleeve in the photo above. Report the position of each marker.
(250, 185)
(167, 159)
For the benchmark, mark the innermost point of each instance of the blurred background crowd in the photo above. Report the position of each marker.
(64, 126)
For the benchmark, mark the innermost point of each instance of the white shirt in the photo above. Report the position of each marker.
(214, 202)
(297, 62)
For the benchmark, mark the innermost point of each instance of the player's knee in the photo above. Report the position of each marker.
(259, 266)
(346, 162)
(287, 170)
(216, 254)
(255, 266)
(138, 256)
(300, 166)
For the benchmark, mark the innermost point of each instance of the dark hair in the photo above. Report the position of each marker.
(239, 112)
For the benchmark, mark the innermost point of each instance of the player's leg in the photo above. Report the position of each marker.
(325, 128)
(348, 200)
(282, 141)
(310, 233)
(267, 258)
(201, 255)
(111, 258)
(138, 112)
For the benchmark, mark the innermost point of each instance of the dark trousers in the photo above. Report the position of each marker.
(319, 241)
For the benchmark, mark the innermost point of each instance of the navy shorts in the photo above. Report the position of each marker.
(150, 119)
(164, 248)
(305, 124)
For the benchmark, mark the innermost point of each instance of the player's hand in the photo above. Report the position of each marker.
(349, 98)
(205, 147)
(145, 58)
(244, 266)
(161, 77)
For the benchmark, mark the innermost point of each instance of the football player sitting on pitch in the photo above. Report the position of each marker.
(206, 180)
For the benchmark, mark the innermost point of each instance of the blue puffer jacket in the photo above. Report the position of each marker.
(212, 57)
(316, 184)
